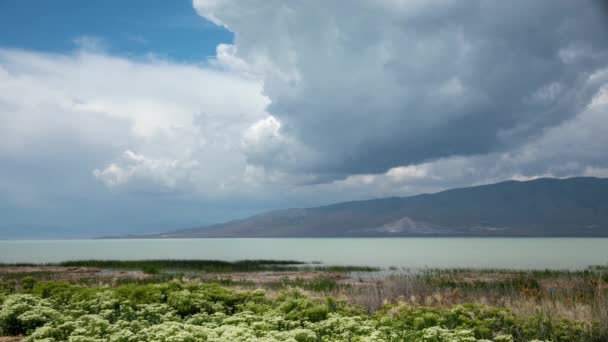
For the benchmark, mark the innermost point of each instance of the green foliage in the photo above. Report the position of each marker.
(7, 287)
(180, 312)
(150, 269)
(316, 285)
(558, 331)
(27, 283)
(485, 323)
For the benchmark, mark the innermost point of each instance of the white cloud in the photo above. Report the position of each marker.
(173, 125)
(135, 168)
(90, 44)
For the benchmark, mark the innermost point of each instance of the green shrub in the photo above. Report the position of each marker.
(28, 283)
(8, 287)
(151, 269)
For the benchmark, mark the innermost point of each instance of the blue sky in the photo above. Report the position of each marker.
(148, 116)
(168, 29)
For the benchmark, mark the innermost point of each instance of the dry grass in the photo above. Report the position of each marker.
(579, 296)
(10, 339)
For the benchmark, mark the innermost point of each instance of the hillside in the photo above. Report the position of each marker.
(541, 207)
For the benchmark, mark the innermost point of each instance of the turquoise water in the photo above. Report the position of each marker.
(534, 253)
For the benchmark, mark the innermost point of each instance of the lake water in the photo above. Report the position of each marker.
(533, 253)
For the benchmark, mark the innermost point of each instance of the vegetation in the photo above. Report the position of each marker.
(163, 304)
(178, 311)
(210, 266)
(215, 266)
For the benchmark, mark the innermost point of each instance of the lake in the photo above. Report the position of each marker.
(530, 253)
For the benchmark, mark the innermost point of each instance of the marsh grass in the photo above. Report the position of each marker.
(321, 285)
(554, 296)
(337, 268)
(209, 266)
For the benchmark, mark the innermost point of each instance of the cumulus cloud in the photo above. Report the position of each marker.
(83, 132)
(171, 125)
(164, 173)
(364, 86)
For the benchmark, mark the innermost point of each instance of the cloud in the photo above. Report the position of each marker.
(309, 97)
(157, 120)
(314, 103)
(163, 174)
(574, 148)
(82, 133)
(371, 85)
(91, 44)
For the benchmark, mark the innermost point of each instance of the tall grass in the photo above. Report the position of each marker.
(553, 295)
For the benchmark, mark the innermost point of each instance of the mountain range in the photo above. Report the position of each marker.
(540, 207)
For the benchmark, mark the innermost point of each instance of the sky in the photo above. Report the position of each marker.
(140, 116)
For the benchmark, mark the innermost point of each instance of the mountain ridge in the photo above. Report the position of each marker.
(575, 206)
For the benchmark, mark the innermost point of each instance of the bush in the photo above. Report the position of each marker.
(28, 283)
(151, 269)
(22, 314)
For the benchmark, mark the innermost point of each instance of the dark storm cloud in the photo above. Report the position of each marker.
(369, 85)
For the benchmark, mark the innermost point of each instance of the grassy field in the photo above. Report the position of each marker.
(266, 300)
